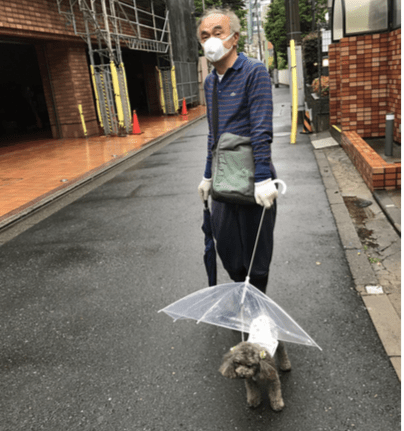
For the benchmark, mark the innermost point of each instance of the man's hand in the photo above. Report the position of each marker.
(204, 188)
(265, 192)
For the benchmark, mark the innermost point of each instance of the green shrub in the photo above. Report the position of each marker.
(325, 86)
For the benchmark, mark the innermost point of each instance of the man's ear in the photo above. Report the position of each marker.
(236, 38)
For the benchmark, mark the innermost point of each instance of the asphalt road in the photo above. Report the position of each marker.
(82, 344)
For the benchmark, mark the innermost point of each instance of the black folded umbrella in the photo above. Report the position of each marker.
(210, 250)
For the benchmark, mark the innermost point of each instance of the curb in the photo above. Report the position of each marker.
(382, 313)
(389, 209)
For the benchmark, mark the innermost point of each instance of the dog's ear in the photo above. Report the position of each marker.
(267, 370)
(227, 368)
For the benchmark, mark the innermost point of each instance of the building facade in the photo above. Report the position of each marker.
(365, 82)
(101, 59)
(257, 46)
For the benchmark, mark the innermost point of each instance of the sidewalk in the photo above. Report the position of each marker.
(35, 172)
(369, 226)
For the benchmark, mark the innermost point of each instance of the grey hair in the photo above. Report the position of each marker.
(235, 25)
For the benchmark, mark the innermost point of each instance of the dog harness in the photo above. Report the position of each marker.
(263, 332)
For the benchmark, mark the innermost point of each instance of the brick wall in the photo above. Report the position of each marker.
(41, 19)
(66, 79)
(33, 19)
(394, 81)
(365, 80)
(376, 172)
(335, 84)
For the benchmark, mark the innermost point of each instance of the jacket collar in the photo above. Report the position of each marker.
(238, 64)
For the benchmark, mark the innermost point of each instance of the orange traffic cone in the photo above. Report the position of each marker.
(184, 108)
(135, 128)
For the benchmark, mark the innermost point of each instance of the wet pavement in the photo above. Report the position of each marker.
(83, 347)
(34, 171)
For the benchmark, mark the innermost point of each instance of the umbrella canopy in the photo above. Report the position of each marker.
(236, 306)
(210, 252)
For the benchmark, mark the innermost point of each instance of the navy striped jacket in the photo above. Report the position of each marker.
(245, 109)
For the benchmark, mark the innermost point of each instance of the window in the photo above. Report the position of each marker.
(366, 16)
(351, 17)
(337, 30)
(396, 13)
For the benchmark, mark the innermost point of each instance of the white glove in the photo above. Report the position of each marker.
(204, 188)
(265, 192)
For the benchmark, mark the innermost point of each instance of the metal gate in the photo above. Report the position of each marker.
(168, 90)
(113, 107)
(187, 81)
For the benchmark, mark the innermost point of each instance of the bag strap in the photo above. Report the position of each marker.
(215, 113)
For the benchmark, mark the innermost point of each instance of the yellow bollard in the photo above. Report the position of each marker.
(117, 92)
(82, 120)
(294, 92)
(162, 100)
(175, 92)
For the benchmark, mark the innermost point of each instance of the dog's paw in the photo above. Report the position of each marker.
(254, 402)
(285, 365)
(277, 404)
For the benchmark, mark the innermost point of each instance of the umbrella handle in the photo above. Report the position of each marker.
(282, 183)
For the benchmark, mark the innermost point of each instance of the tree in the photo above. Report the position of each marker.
(275, 28)
(238, 6)
(275, 23)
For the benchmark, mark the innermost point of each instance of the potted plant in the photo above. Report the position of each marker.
(325, 86)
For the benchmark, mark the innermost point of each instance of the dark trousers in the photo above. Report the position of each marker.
(235, 229)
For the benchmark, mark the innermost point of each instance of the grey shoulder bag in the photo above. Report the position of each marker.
(233, 165)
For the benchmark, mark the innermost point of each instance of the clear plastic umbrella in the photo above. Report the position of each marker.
(237, 305)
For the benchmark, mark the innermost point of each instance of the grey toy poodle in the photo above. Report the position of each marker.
(251, 361)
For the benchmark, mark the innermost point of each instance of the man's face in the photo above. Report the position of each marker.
(216, 26)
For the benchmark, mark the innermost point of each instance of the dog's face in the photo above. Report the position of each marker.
(242, 361)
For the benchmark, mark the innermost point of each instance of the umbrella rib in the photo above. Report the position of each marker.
(207, 296)
(279, 311)
(211, 309)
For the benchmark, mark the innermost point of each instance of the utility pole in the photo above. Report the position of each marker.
(258, 29)
(293, 21)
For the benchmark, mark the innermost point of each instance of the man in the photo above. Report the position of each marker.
(244, 97)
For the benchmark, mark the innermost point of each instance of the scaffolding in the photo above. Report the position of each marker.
(106, 26)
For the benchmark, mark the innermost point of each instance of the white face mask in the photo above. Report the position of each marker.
(214, 48)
